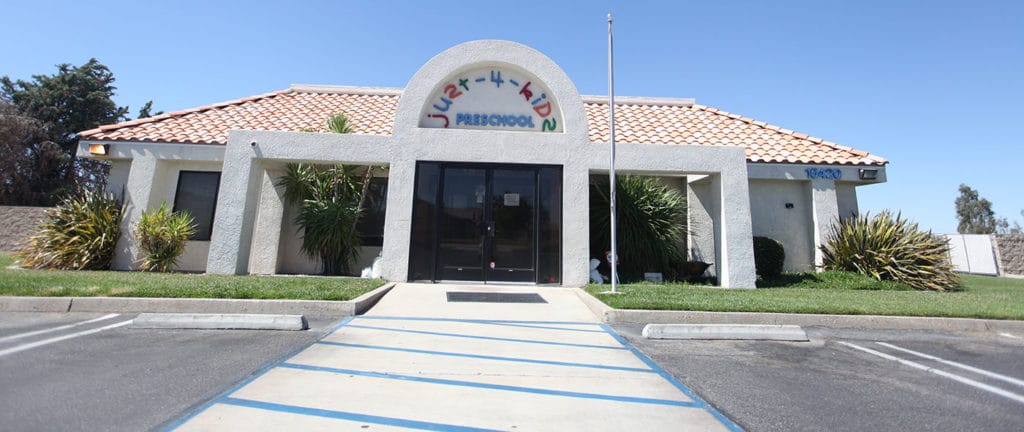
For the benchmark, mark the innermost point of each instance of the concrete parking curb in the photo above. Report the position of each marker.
(356, 306)
(35, 304)
(725, 331)
(627, 316)
(219, 321)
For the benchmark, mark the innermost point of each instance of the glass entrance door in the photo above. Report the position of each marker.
(512, 231)
(463, 227)
(488, 224)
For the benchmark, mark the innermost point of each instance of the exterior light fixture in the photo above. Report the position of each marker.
(99, 149)
(868, 174)
(789, 205)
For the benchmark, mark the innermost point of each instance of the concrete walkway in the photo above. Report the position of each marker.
(419, 361)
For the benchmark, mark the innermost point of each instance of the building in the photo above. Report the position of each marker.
(485, 133)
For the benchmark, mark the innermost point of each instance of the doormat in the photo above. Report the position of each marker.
(494, 297)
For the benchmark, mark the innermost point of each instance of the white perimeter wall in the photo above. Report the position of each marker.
(972, 253)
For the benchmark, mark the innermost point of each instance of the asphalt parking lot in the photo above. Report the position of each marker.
(79, 371)
(832, 383)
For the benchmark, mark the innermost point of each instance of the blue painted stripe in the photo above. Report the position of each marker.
(491, 338)
(526, 324)
(519, 389)
(474, 320)
(262, 370)
(671, 379)
(342, 415)
(544, 327)
(343, 323)
(486, 357)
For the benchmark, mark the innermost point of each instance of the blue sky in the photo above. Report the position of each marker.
(936, 87)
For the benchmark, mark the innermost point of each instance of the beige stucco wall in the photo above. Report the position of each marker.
(162, 190)
(701, 206)
(794, 227)
(846, 197)
(196, 252)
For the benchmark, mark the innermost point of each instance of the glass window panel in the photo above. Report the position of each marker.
(197, 194)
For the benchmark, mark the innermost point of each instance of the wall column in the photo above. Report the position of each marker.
(267, 237)
(576, 226)
(236, 207)
(398, 220)
(826, 213)
(734, 239)
(138, 184)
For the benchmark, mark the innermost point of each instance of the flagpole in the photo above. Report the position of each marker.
(611, 140)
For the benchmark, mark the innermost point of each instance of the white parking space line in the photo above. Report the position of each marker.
(1009, 335)
(63, 327)
(954, 377)
(1010, 380)
(28, 346)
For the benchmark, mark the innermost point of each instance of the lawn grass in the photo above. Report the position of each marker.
(56, 283)
(830, 293)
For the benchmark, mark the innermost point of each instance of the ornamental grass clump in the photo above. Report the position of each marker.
(651, 223)
(80, 233)
(162, 235)
(888, 247)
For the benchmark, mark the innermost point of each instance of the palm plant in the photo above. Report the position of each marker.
(162, 236)
(888, 247)
(80, 233)
(325, 196)
(330, 201)
(651, 221)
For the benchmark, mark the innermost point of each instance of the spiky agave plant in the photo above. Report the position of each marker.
(80, 233)
(162, 236)
(651, 222)
(888, 247)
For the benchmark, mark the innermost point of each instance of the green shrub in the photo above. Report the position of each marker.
(80, 233)
(162, 235)
(888, 247)
(769, 257)
(651, 223)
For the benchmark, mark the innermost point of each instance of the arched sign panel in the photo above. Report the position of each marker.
(493, 98)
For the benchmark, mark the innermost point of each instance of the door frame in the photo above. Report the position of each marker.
(434, 257)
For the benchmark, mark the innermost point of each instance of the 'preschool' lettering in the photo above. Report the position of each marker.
(506, 120)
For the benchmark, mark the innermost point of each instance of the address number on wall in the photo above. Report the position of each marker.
(824, 173)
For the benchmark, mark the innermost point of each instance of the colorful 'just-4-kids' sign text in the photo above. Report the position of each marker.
(493, 98)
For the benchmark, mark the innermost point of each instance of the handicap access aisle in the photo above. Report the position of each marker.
(417, 361)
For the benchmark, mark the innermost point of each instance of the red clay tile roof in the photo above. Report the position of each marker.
(371, 111)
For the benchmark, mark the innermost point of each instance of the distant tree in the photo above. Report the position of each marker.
(1003, 226)
(25, 156)
(45, 168)
(145, 111)
(974, 213)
